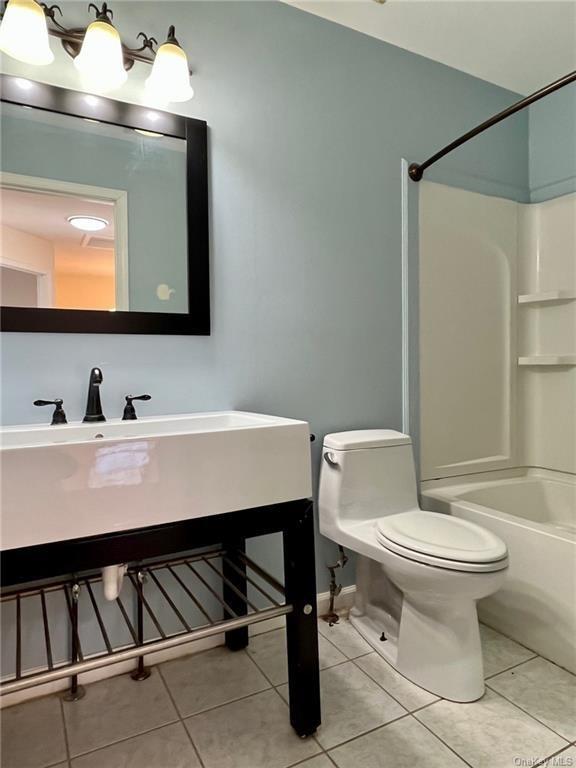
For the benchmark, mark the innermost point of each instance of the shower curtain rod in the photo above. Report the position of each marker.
(416, 170)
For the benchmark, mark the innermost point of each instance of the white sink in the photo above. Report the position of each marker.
(76, 480)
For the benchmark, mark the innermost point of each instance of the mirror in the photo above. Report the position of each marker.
(95, 216)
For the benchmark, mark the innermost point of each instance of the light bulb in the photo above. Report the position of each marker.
(170, 77)
(100, 61)
(24, 34)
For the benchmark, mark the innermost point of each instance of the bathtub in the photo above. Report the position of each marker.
(534, 512)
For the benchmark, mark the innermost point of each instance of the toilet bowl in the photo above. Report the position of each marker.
(419, 573)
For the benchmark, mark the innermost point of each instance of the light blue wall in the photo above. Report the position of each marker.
(553, 145)
(308, 125)
(152, 174)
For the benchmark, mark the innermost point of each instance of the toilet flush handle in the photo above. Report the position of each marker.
(331, 461)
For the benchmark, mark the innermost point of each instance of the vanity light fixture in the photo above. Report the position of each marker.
(88, 223)
(99, 54)
(100, 61)
(169, 79)
(24, 33)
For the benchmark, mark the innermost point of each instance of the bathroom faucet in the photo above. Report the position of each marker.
(93, 404)
(58, 417)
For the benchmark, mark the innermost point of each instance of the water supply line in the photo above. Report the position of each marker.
(332, 617)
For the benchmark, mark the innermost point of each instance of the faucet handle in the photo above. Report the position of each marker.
(129, 410)
(58, 417)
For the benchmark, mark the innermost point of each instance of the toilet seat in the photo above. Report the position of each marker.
(442, 541)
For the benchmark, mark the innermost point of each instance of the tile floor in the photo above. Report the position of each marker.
(222, 710)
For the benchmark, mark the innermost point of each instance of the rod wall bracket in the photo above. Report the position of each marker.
(415, 172)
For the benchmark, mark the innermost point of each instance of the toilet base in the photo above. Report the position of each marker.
(438, 649)
(431, 640)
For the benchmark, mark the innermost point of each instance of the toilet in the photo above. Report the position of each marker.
(419, 573)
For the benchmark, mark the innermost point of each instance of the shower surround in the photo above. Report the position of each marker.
(498, 395)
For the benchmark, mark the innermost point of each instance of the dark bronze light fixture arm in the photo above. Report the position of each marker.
(71, 38)
(416, 170)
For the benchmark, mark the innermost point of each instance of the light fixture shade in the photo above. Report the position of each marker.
(100, 61)
(24, 33)
(170, 78)
(88, 223)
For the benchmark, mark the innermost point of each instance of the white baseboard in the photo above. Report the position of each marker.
(343, 604)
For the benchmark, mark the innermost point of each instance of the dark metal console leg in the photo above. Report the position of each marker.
(75, 692)
(141, 672)
(301, 624)
(236, 639)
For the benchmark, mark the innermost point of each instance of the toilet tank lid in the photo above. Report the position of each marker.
(365, 438)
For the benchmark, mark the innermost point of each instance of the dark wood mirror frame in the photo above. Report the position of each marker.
(197, 320)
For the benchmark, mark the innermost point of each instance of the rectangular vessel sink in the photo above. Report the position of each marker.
(76, 480)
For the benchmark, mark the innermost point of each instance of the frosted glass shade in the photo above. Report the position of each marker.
(100, 61)
(24, 34)
(170, 78)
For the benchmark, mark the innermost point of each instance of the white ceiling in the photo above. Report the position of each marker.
(46, 215)
(518, 44)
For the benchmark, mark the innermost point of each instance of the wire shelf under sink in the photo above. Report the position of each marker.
(176, 598)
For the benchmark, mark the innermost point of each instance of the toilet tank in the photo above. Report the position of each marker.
(365, 475)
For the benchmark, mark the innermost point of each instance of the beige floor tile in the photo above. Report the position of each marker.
(251, 733)
(269, 652)
(117, 709)
(208, 679)
(543, 690)
(352, 703)
(411, 696)
(403, 744)
(321, 761)
(32, 734)
(490, 733)
(167, 747)
(500, 652)
(345, 638)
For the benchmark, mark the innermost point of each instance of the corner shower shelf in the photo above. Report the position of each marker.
(547, 296)
(172, 621)
(548, 360)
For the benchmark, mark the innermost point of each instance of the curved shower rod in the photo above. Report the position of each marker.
(416, 170)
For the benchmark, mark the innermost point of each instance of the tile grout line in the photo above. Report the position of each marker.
(323, 751)
(441, 740)
(365, 733)
(261, 670)
(224, 704)
(348, 658)
(121, 741)
(183, 717)
(513, 666)
(526, 648)
(271, 687)
(537, 719)
(181, 720)
(511, 639)
(554, 754)
(312, 735)
(410, 711)
(65, 729)
(275, 687)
